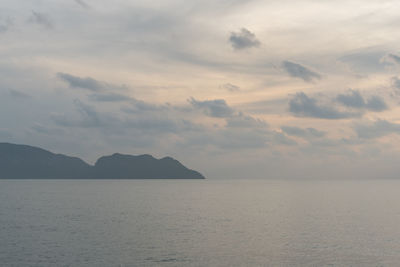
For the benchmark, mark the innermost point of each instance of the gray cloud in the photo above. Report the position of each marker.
(213, 108)
(396, 84)
(18, 94)
(376, 129)
(46, 130)
(305, 106)
(243, 39)
(354, 99)
(84, 83)
(90, 115)
(366, 61)
(376, 103)
(299, 71)
(394, 57)
(40, 19)
(89, 83)
(272, 106)
(5, 24)
(282, 139)
(227, 139)
(244, 121)
(109, 97)
(82, 3)
(230, 87)
(140, 106)
(89, 118)
(157, 124)
(303, 132)
(148, 118)
(235, 120)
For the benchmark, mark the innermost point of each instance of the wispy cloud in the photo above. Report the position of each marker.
(6, 24)
(90, 84)
(18, 94)
(298, 71)
(90, 117)
(40, 19)
(306, 133)
(109, 97)
(230, 87)
(82, 3)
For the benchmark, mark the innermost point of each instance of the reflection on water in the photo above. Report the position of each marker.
(199, 223)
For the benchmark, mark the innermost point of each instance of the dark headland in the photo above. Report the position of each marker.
(27, 162)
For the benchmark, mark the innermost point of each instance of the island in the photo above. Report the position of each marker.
(28, 162)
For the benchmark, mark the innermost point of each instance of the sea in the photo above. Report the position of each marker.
(211, 222)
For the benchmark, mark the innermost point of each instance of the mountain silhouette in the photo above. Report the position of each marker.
(27, 162)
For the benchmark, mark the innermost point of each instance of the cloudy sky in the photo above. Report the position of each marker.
(232, 88)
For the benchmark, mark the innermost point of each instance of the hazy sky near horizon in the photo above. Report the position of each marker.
(232, 88)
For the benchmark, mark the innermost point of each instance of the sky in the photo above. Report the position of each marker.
(231, 88)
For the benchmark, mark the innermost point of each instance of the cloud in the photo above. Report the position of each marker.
(244, 121)
(299, 71)
(84, 83)
(230, 87)
(305, 106)
(46, 130)
(235, 120)
(226, 139)
(109, 97)
(366, 61)
(396, 84)
(354, 99)
(243, 39)
(139, 106)
(376, 129)
(6, 24)
(241, 131)
(82, 3)
(270, 106)
(155, 125)
(213, 108)
(88, 83)
(40, 19)
(376, 103)
(90, 115)
(160, 122)
(282, 139)
(89, 118)
(18, 94)
(157, 122)
(303, 132)
(394, 57)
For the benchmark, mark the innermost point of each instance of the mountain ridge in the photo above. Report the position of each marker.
(29, 162)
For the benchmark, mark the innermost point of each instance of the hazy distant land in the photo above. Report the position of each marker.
(27, 162)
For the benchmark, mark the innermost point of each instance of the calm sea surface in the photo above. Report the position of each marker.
(199, 223)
